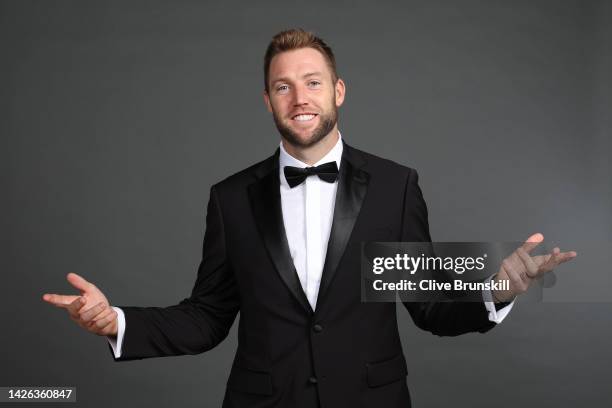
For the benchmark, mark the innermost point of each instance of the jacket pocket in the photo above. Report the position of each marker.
(254, 382)
(387, 371)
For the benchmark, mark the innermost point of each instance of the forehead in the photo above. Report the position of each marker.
(296, 62)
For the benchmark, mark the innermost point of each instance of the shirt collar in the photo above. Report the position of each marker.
(285, 159)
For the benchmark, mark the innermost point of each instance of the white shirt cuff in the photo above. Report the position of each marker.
(495, 315)
(116, 343)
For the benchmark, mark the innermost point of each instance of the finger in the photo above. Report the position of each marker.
(540, 259)
(556, 258)
(104, 325)
(79, 282)
(100, 317)
(59, 300)
(516, 280)
(92, 312)
(532, 242)
(103, 314)
(78, 321)
(91, 325)
(74, 307)
(531, 269)
(517, 266)
(550, 261)
(567, 256)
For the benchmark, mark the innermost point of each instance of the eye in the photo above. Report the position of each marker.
(314, 83)
(282, 88)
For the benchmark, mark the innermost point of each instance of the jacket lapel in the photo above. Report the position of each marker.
(352, 188)
(267, 211)
(265, 200)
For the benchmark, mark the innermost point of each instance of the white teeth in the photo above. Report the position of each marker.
(303, 118)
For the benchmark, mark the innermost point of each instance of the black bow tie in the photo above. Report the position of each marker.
(296, 175)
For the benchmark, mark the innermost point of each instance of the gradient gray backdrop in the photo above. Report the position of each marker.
(116, 118)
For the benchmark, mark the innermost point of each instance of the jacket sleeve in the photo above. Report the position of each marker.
(199, 322)
(440, 318)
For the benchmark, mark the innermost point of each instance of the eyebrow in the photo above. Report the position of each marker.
(307, 75)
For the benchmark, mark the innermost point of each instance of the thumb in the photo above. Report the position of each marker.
(79, 282)
(532, 242)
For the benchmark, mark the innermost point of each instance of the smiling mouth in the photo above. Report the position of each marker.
(304, 117)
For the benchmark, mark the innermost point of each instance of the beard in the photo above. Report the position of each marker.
(327, 121)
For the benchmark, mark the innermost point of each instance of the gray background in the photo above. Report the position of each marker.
(116, 118)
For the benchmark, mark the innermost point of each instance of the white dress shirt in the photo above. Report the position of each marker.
(308, 211)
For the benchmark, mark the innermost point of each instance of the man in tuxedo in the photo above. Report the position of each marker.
(282, 247)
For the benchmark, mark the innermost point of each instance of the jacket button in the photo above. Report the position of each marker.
(317, 328)
(312, 380)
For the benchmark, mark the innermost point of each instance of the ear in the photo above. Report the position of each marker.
(267, 101)
(340, 90)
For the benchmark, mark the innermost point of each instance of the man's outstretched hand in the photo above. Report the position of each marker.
(520, 268)
(90, 310)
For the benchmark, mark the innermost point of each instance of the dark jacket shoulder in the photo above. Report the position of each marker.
(245, 177)
(376, 165)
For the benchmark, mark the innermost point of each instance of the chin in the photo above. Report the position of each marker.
(301, 137)
(304, 138)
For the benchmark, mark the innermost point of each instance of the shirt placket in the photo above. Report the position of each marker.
(313, 239)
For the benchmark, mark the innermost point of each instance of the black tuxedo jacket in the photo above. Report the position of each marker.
(343, 354)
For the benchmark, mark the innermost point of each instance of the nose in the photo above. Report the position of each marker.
(299, 96)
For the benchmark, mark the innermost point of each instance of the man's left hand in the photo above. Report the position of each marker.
(520, 268)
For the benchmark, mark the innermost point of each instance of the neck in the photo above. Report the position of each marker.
(312, 154)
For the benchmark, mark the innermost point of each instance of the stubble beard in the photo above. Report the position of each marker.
(327, 121)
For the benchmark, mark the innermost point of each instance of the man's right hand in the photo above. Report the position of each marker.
(90, 310)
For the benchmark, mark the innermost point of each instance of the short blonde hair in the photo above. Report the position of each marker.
(294, 39)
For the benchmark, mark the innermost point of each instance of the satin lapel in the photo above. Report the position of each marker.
(352, 188)
(266, 204)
